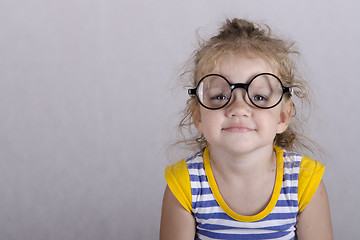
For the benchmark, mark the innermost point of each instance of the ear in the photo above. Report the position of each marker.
(285, 116)
(196, 117)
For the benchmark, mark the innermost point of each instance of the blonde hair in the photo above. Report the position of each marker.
(238, 36)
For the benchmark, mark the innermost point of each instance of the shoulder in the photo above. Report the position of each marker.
(180, 170)
(309, 173)
(310, 176)
(178, 179)
(307, 166)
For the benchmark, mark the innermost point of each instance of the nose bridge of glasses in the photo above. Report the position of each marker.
(239, 85)
(241, 93)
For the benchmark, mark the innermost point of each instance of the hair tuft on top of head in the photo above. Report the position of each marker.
(241, 28)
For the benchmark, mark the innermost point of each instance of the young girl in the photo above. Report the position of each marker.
(246, 182)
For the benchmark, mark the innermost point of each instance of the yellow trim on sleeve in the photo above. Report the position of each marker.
(178, 180)
(310, 176)
(274, 197)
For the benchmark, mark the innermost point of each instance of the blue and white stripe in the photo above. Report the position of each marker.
(214, 223)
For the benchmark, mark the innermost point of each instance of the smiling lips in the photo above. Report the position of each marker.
(238, 129)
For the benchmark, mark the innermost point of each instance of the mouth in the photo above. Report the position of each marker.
(238, 129)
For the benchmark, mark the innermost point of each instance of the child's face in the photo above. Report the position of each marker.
(240, 127)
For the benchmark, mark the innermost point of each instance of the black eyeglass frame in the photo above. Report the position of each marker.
(245, 86)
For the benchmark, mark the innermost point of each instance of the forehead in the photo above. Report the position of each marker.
(242, 66)
(239, 67)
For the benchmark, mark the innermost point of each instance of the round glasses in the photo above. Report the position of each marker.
(265, 90)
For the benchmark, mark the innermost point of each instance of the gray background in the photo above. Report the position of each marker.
(89, 102)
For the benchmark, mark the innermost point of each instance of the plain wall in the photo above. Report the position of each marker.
(89, 103)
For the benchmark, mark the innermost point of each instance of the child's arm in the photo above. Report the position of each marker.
(314, 221)
(176, 222)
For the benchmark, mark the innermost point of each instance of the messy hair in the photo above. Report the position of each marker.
(238, 36)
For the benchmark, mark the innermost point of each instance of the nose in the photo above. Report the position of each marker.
(239, 104)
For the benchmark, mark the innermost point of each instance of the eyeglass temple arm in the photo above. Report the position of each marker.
(288, 89)
(192, 91)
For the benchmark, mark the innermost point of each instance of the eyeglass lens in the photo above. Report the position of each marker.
(264, 91)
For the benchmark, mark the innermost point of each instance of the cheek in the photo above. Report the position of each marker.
(270, 120)
(209, 122)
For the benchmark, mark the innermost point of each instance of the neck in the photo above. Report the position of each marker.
(243, 165)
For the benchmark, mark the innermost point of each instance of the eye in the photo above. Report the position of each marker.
(260, 98)
(220, 98)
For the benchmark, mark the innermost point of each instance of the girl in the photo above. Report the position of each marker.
(246, 182)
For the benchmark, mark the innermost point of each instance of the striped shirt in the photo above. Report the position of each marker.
(215, 220)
